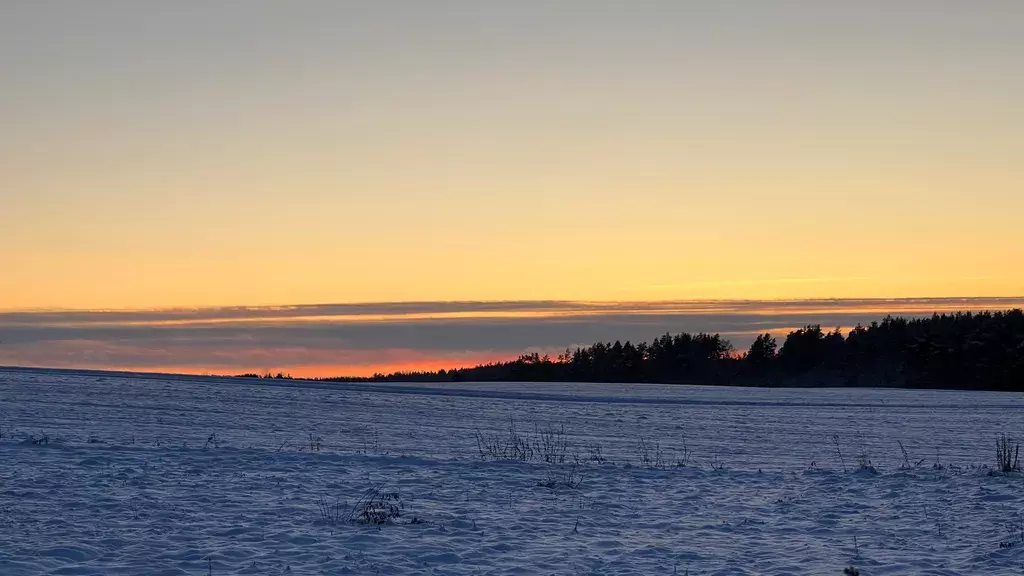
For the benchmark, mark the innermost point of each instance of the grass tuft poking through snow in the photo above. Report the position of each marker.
(331, 513)
(551, 444)
(377, 506)
(565, 477)
(905, 464)
(1007, 454)
(650, 454)
(864, 464)
(510, 446)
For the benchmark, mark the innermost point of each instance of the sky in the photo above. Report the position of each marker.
(218, 154)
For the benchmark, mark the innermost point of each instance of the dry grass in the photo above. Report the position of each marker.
(377, 506)
(330, 512)
(567, 477)
(509, 446)
(1007, 454)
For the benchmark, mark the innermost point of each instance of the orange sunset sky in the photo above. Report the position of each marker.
(214, 155)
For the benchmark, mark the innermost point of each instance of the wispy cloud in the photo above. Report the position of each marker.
(390, 311)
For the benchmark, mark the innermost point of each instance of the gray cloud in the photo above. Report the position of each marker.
(398, 309)
(268, 312)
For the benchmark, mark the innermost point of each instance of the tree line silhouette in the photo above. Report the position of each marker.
(266, 375)
(964, 350)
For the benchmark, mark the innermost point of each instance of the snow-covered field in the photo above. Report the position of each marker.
(107, 474)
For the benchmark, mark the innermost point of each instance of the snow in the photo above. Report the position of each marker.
(180, 475)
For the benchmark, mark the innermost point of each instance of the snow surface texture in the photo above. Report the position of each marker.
(107, 474)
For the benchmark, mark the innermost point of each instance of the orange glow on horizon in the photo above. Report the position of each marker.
(322, 371)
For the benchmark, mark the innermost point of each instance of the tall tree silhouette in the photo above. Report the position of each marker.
(762, 351)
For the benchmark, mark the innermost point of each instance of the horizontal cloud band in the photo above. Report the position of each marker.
(359, 337)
